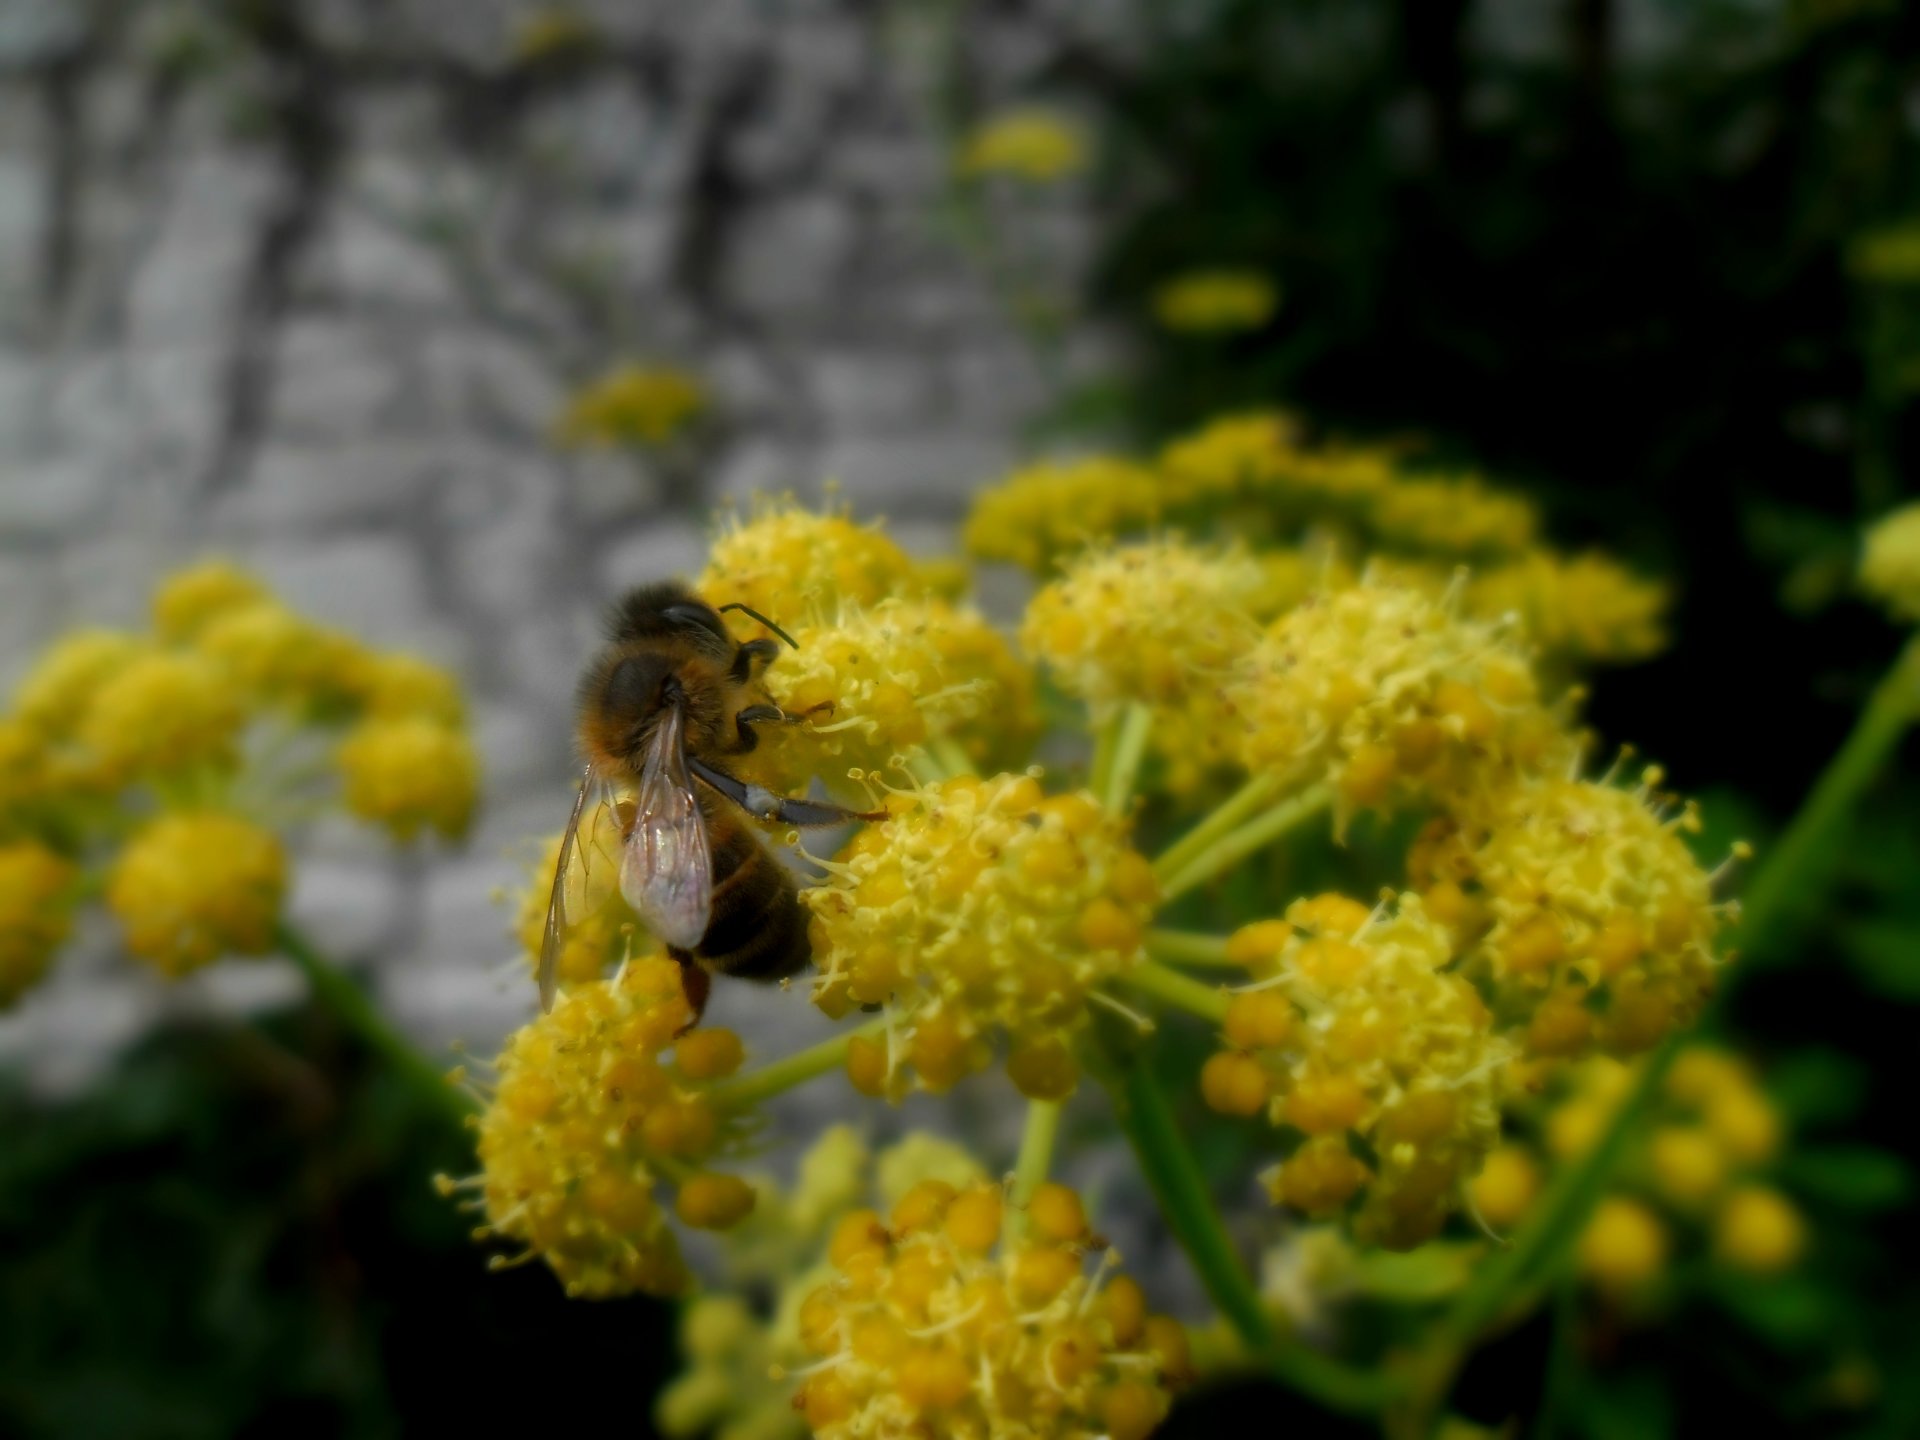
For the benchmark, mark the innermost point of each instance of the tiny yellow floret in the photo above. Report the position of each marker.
(193, 886)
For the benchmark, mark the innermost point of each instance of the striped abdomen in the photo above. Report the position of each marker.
(758, 930)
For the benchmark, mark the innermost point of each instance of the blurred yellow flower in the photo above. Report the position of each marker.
(187, 599)
(978, 908)
(1688, 1165)
(1889, 255)
(196, 885)
(925, 1330)
(1757, 1229)
(1623, 1247)
(1450, 515)
(277, 657)
(1587, 609)
(409, 774)
(601, 926)
(56, 691)
(1025, 144)
(1052, 508)
(23, 768)
(1890, 562)
(1216, 301)
(36, 912)
(161, 714)
(397, 686)
(640, 405)
(1506, 1187)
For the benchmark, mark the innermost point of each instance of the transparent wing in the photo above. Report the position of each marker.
(666, 872)
(557, 901)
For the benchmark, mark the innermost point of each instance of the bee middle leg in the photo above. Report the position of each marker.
(785, 809)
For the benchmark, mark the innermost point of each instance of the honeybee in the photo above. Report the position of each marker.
(669, 697)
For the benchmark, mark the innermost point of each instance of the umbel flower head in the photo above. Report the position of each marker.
(187, 600)
(161, 715)
(978, 909)
(1581, 906)
(279, 658)
(35, 913)
(1385, 694)
(410, 774)
(1164, 624)
(1359, 1038)
(1587, 609)
(596, 1105)
(797, 566)
(935, 1324)
(195, 885)
(56, 691)
(890, 677)
(1053, 508)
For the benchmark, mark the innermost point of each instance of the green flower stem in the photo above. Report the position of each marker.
(1243, 803)
(1237, 844)
(1106, 744)
(1181, 1192)
(796, 1069)
(1129, 749)
(1186, 947)
(1795, 864)
(1783, 882)
(350, 1005)
(951, 757)
(1209, 1002)
(1036, 1156)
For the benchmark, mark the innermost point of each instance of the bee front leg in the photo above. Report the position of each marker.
(752, 715)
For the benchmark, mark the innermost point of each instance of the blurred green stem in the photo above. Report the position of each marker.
(1196, 997)
(1181, 1192)
(1237, 807)
(1185, 947)
(1234, 846)
(796, 1069)
(349, 1004)
(1129, 749)
(1787, 879)
(1036, 1156)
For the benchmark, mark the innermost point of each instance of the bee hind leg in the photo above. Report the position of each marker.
(695, 983)
(783, 809)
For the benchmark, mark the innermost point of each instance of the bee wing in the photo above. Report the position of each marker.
(557, 900)
(666, 872)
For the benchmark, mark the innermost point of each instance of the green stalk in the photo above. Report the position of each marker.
(349, 1004)
(1229, 849)
(1181, 1192)
(796, 1069)
(1793, 867)
(1129, 749)
(1185, 947)
(1244, 802)
(1036, 1156)
(1106, 744)
(1209, 1002)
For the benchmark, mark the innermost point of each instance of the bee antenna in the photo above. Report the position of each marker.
(749, 610)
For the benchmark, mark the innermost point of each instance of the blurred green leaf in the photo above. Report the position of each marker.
(1886, 954)
(1624, 1407)
(1851, 1177)
(1816, 1086)
(1793, 1311)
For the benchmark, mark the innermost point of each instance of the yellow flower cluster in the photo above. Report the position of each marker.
(1582, 908)
(1385, 694)
(179, 748)
(634, 405)
(1053, 508)
(1452, 515)
(795, 566)
(978, 908)
(1209, 302)
(36, 912)
(1588, 609)
(1165, 625)
(925, 1330)
(1890, 562)
(596, 1104)
(196, 885)
(1696, 1176)
(1358, 1036)
(1023, 144)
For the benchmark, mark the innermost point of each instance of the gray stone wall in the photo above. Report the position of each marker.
(305, 285)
